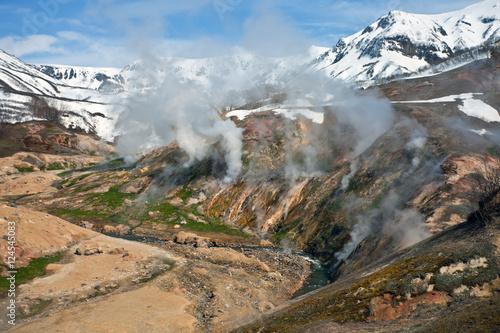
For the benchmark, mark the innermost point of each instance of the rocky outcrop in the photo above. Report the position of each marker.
(189, 238)
(388, 307)
(64, 141)
(119, 229)
(88, 249)
(136, 186)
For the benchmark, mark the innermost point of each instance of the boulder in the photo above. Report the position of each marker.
(23, 165)
(265, 243)
(196, 218)
(109, 229)
(53, 267)
(117, 250)
(86, 225)
(135, 186)
(34, 160)
(88, 248)
(197, 198)
(119, 229)
(154, 214)
(189, 238)
(176, 202)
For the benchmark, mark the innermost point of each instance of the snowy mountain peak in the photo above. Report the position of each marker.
(401, 43)
(83, 77)
(16, 75)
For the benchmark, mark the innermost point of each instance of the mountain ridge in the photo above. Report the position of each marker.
(402, 43)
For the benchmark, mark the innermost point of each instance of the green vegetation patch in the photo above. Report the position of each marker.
(172, 215)
(186, 192)
(36, 268)
(21, 169)
(56, 166)
(493, 151)
(356, 185)
(111, 199)
(77, 215)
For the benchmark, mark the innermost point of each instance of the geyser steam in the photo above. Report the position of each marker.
(177, 111)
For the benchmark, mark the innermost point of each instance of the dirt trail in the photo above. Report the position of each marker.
(147, 309)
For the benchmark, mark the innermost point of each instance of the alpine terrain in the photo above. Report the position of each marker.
(351, 189)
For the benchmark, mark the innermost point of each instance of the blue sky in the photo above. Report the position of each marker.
(115, 32)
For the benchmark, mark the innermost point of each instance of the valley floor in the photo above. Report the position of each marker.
(109, 284)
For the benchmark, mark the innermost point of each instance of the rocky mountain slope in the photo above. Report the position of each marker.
(306, 184)
(404, 44)
(84, 77)
(28, 94)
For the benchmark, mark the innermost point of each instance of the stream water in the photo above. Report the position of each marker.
(319, 276)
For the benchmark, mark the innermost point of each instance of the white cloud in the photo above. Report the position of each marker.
(72, 35)
(274, 35)
(92, 53)
(21, 46)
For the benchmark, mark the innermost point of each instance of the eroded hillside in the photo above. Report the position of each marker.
(358, 202)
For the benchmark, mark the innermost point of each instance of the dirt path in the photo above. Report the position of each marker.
(147, 309)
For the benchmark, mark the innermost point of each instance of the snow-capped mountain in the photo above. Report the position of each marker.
(234, 71)
(401, 43)
(83, 77)
(398, 44)
(79, 107)
(15, 75)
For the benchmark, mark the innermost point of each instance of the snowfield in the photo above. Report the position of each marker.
(479, 109)
(287, 112)
(470, 106)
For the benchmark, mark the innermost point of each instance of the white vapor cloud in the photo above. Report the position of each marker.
(405, 226)
(175, 111)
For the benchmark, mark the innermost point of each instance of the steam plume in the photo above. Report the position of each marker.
(177, 111)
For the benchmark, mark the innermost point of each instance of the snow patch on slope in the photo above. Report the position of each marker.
(479, 109)
(288, 111)
(445, 99)
(470, 106)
